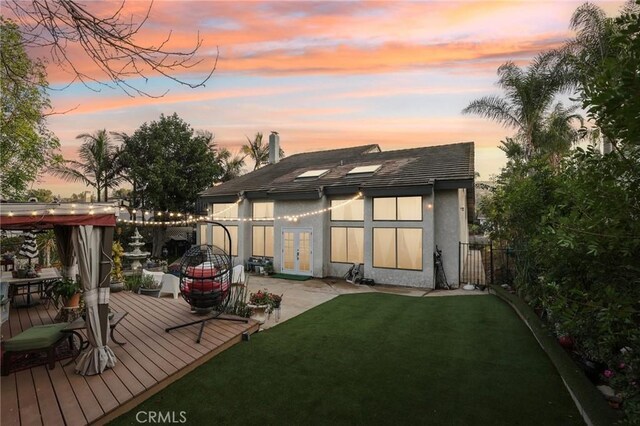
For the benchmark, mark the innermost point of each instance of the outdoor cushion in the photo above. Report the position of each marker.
(37, 337)
(202, 271)
(204, 285)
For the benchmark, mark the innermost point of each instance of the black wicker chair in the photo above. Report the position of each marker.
(205, 283)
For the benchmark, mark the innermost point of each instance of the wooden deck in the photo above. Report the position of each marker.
(150, 360)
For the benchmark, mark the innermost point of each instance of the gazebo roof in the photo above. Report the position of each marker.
(47, 215)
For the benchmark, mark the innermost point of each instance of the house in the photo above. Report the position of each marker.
(317, 213)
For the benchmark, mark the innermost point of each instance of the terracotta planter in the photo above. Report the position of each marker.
(73, 301)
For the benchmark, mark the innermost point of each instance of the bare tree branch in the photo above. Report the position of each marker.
(109, 42)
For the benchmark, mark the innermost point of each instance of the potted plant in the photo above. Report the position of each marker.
(149, 286)
(117, 277)
(67, 291)
(263, 303)
(276, 301)
(267, 269)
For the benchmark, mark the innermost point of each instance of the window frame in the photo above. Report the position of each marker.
(225, 218)
(253, 211)
(373, 247)
(373, 210)
(346, 240)
(237, 230)
(264, 240)
(339, 200)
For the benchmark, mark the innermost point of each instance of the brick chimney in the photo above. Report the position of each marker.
(274, 148)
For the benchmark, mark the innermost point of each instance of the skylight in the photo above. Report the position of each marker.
(312, 174)
(364, 169)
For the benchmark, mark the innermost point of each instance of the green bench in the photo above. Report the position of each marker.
(38, 345)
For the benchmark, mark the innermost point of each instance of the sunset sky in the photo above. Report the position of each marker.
(325, 74)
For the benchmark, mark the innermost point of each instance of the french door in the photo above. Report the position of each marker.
(297, 252)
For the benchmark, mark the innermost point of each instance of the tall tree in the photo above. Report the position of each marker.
(601, 61)
(560, 129)
(231, 165)
(529, 97)
(26, 145)
(607, 52)
(98, 167)
(169, 163)
(258, 151)
(107, 34)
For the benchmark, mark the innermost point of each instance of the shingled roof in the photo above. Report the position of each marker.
(415, 170)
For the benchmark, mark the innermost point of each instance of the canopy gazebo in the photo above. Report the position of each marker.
(84, 236)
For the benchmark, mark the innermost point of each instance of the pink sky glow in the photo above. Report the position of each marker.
(323, 74)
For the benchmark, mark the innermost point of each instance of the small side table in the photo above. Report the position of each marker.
(80, 324)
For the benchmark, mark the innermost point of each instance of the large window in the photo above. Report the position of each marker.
(224, 210)
(397, 208)
(353, 210)
(263, 210)
(262, 241)
(347, 245)
(397, 248)
(220, 239)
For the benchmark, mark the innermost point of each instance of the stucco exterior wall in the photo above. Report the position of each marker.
(443, 224)
(448, 231)
(244, 233)
(411, 278)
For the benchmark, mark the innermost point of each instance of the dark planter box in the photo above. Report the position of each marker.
(153, 292)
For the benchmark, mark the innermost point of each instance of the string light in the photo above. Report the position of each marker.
(216, 215)
(187, 219)
(42, 209)
(291, 218)
(184, 218)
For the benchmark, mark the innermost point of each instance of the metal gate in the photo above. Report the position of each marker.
(485, 263)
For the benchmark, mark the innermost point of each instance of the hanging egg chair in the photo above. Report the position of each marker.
(205, 277)
(205, 282)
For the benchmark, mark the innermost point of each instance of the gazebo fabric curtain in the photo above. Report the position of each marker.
(87, 242)
(65, 251)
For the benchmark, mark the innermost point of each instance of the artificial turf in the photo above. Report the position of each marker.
(379, 359)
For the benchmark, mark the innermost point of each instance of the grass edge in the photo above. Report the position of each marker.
(589, 401)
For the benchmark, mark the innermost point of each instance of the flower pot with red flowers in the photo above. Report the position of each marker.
(566, 342)
(263, 303)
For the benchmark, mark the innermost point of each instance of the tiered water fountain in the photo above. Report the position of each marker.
(136, 255)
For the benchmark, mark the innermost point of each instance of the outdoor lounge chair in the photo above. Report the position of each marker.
(170, 284)
(38, 345)
(237, 274)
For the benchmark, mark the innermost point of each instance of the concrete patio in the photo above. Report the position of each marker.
(300, 296)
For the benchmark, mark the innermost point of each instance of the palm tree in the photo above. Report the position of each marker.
(98, 166)
(231, 165)
(559, 132)
(529, 97)
(512, 149)
(257, 151)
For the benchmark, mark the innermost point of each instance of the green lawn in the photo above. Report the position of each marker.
(379, 359)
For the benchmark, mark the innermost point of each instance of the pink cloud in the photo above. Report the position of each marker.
(345, 37)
